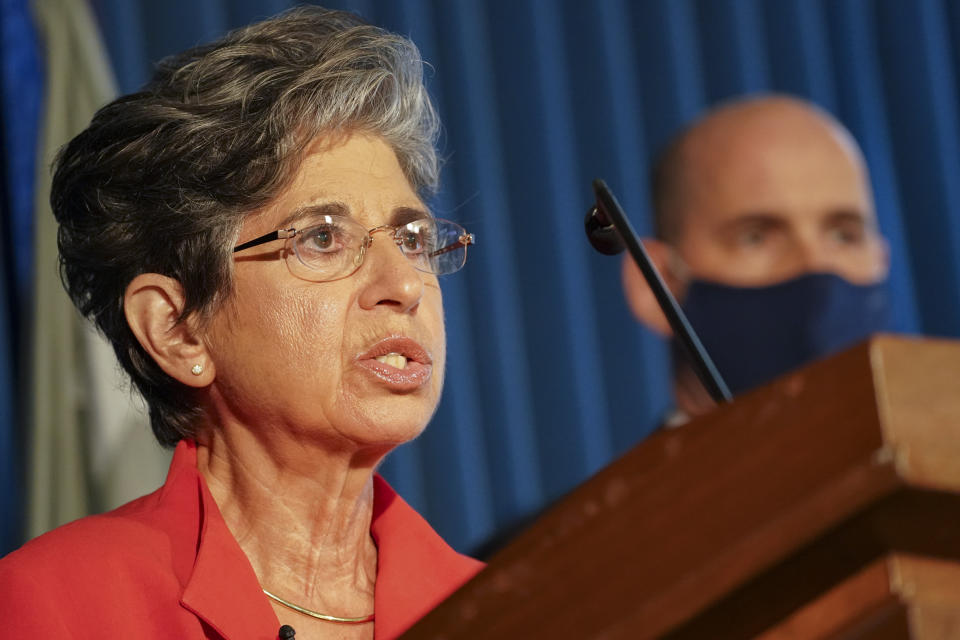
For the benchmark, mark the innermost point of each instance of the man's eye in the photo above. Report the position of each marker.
(847, 235)
(752, 237)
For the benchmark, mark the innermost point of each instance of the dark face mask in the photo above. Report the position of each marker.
(754, 334)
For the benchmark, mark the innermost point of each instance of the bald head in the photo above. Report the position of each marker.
(763, 189)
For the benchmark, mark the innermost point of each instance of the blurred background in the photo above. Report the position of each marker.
(549, 377)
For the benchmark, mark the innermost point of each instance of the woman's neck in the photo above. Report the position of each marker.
(301, 512)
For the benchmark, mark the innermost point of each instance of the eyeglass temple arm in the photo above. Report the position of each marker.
(267, 237)
(462, 241)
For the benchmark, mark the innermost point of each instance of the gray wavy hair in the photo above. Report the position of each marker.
(162, 179)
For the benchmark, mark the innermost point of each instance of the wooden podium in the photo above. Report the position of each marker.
(824, 505)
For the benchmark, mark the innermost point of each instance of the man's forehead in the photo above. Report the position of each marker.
(759, 168)
(767, 112)
(757, 130)
(794, 202)
(752, 126)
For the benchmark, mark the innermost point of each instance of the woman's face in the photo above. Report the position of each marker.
(320, 359)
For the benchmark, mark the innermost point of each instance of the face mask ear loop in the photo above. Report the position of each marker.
(677, 268)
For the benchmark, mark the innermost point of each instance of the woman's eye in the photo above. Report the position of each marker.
(417, 237)
(412, 241)
(323, 239)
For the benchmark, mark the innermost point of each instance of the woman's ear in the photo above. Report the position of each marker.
(640, 296)
(152, 304)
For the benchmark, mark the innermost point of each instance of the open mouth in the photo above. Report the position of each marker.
(398, 362)
(395, 360)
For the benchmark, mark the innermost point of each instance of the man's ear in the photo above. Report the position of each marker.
(152, 304)
(640, 296)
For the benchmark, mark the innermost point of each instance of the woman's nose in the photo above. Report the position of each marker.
(390, 277)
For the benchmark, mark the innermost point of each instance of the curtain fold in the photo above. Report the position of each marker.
(549, 377)
(475, 195)
(921, 92)
(11, 481)
(861, 106)
(21, 93)
(89, 444)
(800, 52)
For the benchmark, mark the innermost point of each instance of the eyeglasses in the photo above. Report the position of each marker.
(333, 246)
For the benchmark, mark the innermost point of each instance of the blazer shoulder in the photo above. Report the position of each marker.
(93, 542)
(97, 573)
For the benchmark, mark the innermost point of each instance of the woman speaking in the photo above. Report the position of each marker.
(249, 233)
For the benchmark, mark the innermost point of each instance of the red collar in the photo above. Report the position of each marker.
(416, 569)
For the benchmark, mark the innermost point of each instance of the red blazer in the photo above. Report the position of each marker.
(166, 566)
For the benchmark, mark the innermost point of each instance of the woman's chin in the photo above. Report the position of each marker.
(394, 434)
(384, 429)
(394, 417)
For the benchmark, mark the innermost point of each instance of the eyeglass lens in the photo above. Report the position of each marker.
(333, 246)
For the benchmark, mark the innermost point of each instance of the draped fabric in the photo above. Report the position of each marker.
(549, 377)
(21, 84)
(10, 446)
(90, 447)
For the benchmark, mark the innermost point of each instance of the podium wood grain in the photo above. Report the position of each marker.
(779, 510)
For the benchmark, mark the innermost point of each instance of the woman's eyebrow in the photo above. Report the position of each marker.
(403, 215)
(399, 216)
(311, 210)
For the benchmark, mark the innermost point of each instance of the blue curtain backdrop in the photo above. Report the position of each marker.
(549, 378)
(21, 88)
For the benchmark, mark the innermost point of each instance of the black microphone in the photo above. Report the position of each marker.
(286, 632)
(601, 233)
(609, 231)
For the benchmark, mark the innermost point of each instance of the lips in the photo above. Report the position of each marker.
(399, 363)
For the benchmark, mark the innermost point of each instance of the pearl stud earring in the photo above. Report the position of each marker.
(197, 369)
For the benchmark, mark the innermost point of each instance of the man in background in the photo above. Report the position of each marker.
(767, 234)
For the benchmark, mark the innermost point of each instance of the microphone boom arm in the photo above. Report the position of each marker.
(598, 230)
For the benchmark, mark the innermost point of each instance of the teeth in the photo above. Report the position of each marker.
(394, 360)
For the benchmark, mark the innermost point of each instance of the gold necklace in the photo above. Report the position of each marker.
(318, 616)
